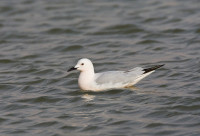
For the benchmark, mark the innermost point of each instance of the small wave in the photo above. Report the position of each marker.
(119, 29)
(61, 31)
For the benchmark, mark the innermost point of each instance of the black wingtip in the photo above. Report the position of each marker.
(147, 70)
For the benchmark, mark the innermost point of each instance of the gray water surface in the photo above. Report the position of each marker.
(40, 40)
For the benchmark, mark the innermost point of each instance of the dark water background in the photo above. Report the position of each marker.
(40, 40)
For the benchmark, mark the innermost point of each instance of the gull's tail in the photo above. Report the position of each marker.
(147, 72)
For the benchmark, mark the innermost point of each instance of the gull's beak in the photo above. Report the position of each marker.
(72, 68)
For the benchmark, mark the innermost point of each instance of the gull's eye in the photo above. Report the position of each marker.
(82, 64)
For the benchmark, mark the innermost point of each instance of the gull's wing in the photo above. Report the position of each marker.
(126, 78)
(122, 77)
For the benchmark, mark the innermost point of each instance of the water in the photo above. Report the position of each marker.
(40, 40)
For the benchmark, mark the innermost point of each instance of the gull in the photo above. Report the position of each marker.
(91, 81)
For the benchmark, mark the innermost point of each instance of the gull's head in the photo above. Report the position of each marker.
(83, 65)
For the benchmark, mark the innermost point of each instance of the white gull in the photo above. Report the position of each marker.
(89, 80)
